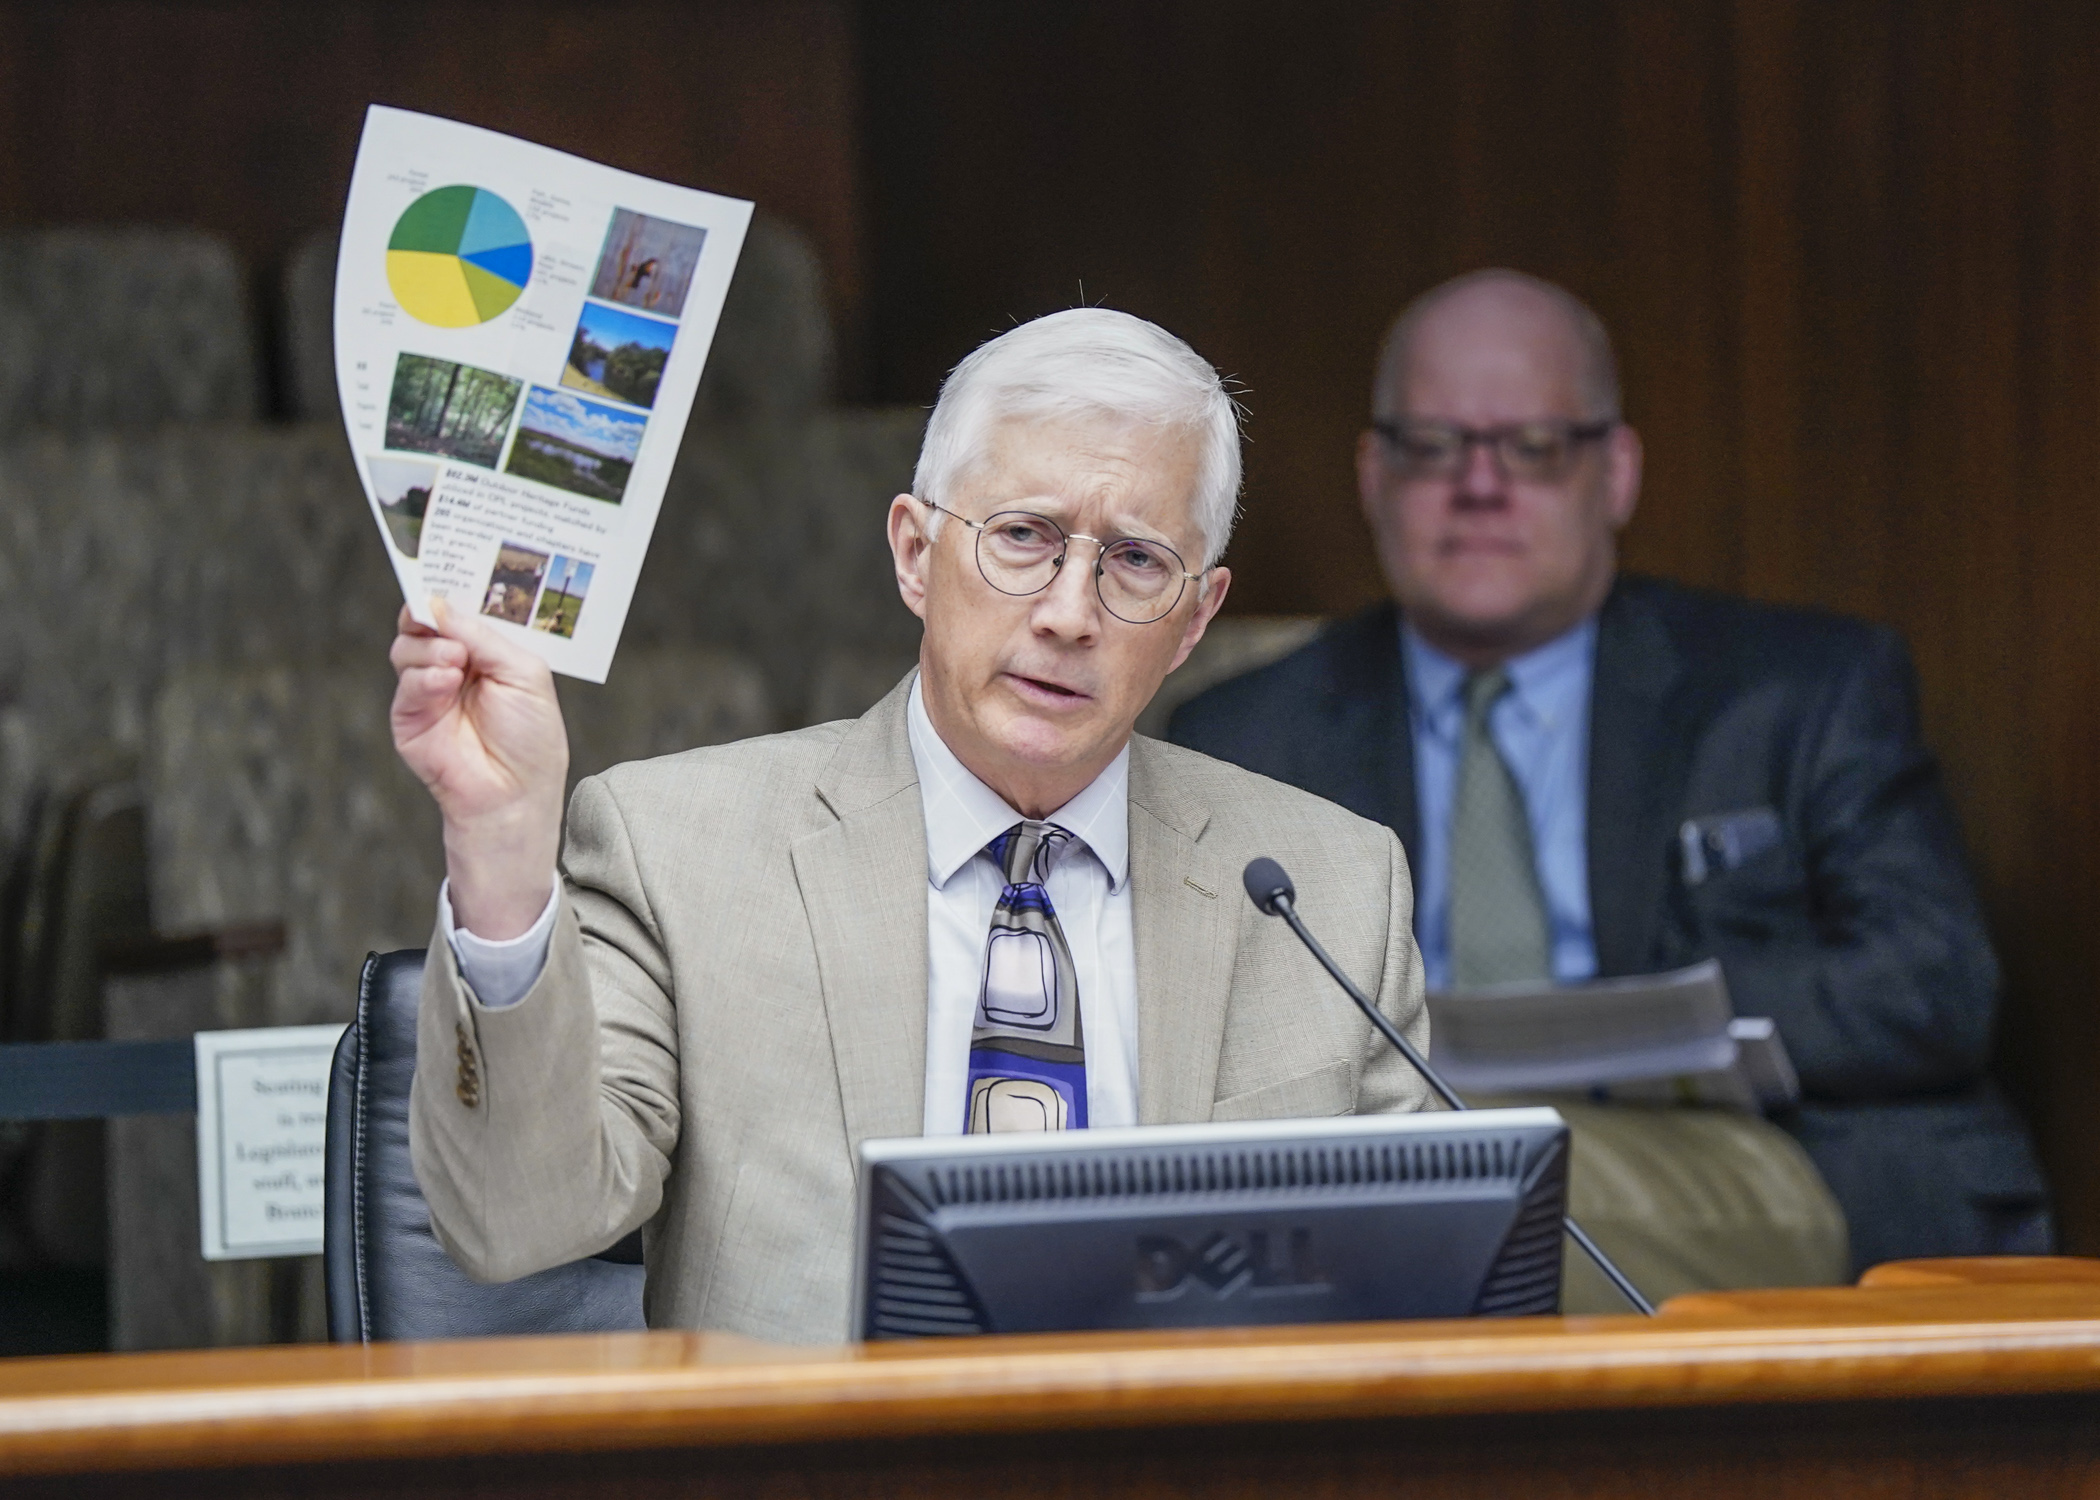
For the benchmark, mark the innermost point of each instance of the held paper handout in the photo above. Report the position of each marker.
(1652, 1039)
(519, 334)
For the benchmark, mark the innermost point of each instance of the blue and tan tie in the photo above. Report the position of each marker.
(1027, 1057)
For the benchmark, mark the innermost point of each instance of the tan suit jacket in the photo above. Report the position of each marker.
(735, 998)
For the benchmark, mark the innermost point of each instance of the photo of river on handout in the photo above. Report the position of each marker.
(584, 447)
(618, 354)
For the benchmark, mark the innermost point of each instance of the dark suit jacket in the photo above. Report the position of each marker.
(1857, 931)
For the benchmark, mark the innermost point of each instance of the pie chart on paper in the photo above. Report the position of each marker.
(459, 256)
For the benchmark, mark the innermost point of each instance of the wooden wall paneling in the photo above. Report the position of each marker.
(1665, 295)
(1969, 508)
(1291, 287)
(1958, 512)
(1771, 333)
(2058, 1048)
(1523, 134)
(242, 118)
(2040, 869)
(1300, 530)
(1851, 285)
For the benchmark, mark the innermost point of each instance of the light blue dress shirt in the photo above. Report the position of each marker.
(1542, 727)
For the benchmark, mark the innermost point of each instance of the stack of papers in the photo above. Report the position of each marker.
(1653, 1039)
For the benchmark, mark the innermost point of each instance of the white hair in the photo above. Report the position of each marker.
(1089, 362)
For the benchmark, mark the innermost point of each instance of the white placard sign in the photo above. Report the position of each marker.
(262, 1129)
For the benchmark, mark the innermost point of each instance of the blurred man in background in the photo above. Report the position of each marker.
(1598, 775)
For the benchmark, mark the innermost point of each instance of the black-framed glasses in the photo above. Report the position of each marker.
(1543, 450)
(1021, 553)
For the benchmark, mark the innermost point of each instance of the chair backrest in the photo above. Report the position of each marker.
(123, 328)
(128, 557)
(1233, 644)
(388, 1277)
(770, 542)
(275, 795)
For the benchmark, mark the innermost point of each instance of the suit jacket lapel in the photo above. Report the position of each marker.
(1184, 909)
(1368, 702)
(1638, 764)
(1398, 735)
(863, 884)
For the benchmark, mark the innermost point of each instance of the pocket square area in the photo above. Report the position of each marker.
(1720, 842)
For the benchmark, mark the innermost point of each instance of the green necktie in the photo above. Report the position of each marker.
(1498, 916)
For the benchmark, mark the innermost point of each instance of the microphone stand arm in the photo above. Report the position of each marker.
(1286, 909)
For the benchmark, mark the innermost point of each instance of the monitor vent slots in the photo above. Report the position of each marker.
(1161, 1174)
(918, 1290)
(1526, 1275)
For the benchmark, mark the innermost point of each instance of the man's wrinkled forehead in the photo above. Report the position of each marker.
(1136, 471)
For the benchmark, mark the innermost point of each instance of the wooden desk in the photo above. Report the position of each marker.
(1937, 1378)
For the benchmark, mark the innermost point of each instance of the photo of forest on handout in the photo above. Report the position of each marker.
(618, 354)
(647, 263)
(456, 410)
(584, 447)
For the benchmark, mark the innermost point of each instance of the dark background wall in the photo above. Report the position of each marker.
(1850, 251)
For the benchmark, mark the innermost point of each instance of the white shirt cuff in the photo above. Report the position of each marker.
(500, 974)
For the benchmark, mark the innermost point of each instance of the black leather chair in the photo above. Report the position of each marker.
(388, 1277)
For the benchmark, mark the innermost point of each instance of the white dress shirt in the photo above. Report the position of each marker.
(1089, 888)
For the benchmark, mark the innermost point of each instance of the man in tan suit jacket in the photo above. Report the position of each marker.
(756, 958)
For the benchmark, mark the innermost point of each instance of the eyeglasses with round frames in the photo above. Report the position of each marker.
(1021, 553)
(1542, 451)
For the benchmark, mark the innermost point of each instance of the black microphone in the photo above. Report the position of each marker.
(1272, 892)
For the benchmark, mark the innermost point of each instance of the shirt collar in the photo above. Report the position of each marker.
(963, 814)
(1548, 683)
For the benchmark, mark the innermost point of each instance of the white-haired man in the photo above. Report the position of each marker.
(983, 905)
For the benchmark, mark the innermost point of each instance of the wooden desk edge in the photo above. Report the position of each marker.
(1983, 1270)
(664, 1390)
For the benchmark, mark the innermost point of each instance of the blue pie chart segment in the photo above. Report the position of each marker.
(511, 262)
(495, 240)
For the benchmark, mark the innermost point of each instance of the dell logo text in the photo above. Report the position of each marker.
(1227, 1262)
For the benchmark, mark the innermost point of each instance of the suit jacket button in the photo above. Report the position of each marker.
(468, 1085)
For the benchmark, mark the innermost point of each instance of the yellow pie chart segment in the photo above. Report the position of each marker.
(432, 288)
(458, 256)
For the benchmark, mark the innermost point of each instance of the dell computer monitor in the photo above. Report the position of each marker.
(1434, 1215)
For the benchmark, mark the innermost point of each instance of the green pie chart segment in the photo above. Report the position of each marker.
(459, 256)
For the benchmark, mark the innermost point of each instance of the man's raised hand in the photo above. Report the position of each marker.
(475, 717)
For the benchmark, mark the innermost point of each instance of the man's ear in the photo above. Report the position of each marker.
(911, 545)
(1623, 474)
(1207, 605)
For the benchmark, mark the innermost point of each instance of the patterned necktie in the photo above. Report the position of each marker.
(1027, 1058)
(1498, 916)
